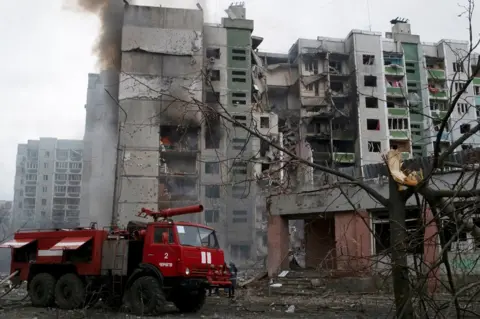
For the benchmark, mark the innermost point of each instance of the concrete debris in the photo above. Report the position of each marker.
(291, 309)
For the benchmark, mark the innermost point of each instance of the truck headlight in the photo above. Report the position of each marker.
(187, 271)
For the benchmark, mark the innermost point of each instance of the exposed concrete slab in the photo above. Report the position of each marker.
(332, 200)
(154, 87)
(162, 17)
(162, 41)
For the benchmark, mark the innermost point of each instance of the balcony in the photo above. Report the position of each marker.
(395, 92)
(477, 100)
(73, 194)
(439, 114)
(445, 137)
(436, 74)
(398, 112)
(347, 158)
(59, 206)
(399, 134)
(394, 70)
(30, 194)
(438, 94)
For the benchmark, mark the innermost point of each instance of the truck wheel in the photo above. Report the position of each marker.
(69, 292)
(146, 296)
(41, 290)
(190, 302)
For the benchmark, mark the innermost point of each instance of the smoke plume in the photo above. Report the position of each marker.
(108, 44)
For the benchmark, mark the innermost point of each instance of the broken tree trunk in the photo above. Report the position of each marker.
(398, 240)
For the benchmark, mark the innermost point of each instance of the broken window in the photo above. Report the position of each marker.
(212, 97)
(464, 128)
(239, 143)
(264, 122)
(311, 65)
(212, 191)
(239, 168)
(213, 53)
(212, 168)
(240, 216)
(374, 147)
(239, 119)
(368, 59)
(459, 85)
(212, 131)
(370, 81)
(397, 124)
(373, 125)
(335, 67)
(462, 108)
(264, 147)
(371, 102)
(458, 67)
(336, 87)
(214, 75)
(212, 216)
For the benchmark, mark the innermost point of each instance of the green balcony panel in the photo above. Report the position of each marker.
(399, 134)
(344, 157)
(476, 81)
(398, 111)
(477, 100)
(439, 95)
(394, 70)
(395, 91)
(436, 74)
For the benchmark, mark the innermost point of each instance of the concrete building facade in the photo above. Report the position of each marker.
(164, 147)
(48, 183)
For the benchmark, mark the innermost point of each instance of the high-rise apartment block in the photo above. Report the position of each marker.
(353, 99)
(48, 183)
(169, 145)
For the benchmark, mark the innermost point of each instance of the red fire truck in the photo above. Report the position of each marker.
(143, 266)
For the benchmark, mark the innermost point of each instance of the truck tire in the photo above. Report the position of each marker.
(70, 292)
(190, 301)
(41, 290)
(146, 296)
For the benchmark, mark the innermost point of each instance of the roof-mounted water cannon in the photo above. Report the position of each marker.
(170, 212)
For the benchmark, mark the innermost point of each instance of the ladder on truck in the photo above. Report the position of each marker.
(118, 264)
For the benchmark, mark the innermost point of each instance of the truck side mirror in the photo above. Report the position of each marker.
(165, 238)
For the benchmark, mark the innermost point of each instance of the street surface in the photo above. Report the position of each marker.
(247, 305)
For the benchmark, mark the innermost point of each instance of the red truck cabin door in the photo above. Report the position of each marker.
(156, 252)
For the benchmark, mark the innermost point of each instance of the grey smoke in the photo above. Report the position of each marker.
(108, 44)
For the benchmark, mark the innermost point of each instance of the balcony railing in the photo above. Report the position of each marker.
(438, 94)
(399, 134)
(398, 111)
(344, 157)
(395, 91)
(436, 74)
(395, 70)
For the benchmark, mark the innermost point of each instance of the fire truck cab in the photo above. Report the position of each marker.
(143, 266)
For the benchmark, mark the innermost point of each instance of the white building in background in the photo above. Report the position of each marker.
(48, 183)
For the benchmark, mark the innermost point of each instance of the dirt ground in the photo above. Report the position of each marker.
(248, 304)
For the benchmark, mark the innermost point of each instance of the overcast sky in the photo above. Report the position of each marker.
(46, 53)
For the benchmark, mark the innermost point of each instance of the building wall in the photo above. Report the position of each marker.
(48, 183)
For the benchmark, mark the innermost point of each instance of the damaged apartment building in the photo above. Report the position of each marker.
(347, 101)
(170, 144)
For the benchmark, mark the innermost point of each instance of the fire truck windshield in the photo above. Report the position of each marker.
(197, 236)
